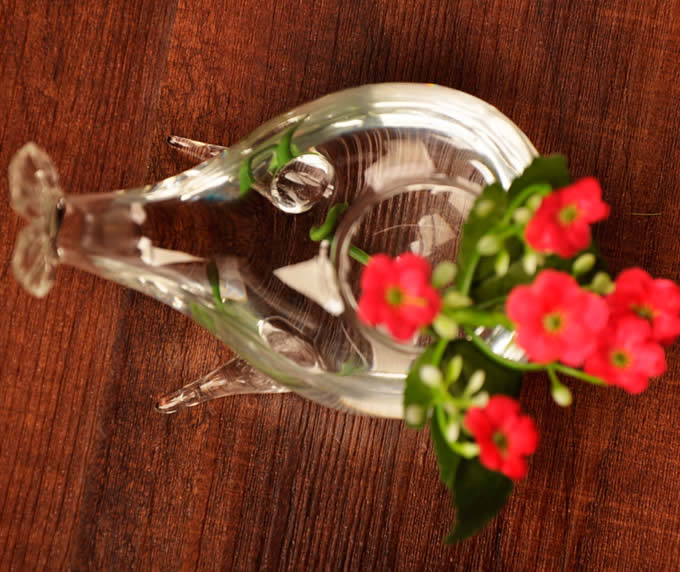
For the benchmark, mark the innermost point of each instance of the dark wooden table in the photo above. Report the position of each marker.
(92, 478)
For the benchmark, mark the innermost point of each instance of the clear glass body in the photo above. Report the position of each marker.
(228, 241)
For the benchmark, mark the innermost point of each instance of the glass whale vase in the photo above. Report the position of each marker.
(262, 243)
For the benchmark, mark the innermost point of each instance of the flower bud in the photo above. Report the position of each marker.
(452, 432)
(454, 299)
(450, 408)
(468, 450)
(414, 414)
(453, 369)
(430, 375)
(480, 400)
(444, 273)
(445, 327)
(522, 215)
(530, 263)
(475, 382)
(534, 202)
(583, 263)
(602, 284)
(484, 207)
(488, 245)
(561, 395)
(502, 263)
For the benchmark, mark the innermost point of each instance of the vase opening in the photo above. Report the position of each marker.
(424, 217)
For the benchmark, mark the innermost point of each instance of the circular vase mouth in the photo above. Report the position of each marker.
(423, 217)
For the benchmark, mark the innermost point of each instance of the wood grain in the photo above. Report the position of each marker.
(92, 478)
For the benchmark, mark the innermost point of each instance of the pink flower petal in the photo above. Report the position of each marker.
(547, 233)
(499, 408)
(478, 423)
(650, 359)
(515, 468)
(523, 437)
(419, 304)
(632, 382)
(629, 331)
(665, 294)
(401, 329)
(501, 416)
(666, 327)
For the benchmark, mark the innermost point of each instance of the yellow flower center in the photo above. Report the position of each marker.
(501, 442)
(395, 296)
(568, 214)
(620, 359)
(644, 311)
(553, 322)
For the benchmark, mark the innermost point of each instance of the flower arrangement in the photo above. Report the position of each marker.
(526, 263)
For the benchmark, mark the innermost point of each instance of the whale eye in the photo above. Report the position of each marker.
(303, 182)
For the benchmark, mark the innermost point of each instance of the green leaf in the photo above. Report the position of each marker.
(416, 392)
(486, 267)
(285, 149)
(202, 316)
(479, 494)
(551, 169)
(477, 226)
(496, 286)
(214, 281)
(245, 177)
(499, 379)
(448, 460)
(351, 366)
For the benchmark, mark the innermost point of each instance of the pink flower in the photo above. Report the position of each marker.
(397, 293)
(626, 356)
(556, 320)
(561, 224)
(504, 436)
(655, 301)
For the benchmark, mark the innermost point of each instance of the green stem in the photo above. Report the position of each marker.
(497, 301)
(325, 231)
(284, 153)
(466, 281)
(578, 374)
(468, 452)
(552, 368)
(286, 149)
(508, 231)
(474, 317)
(359, 255)
(499, 232)
(560, 392)
(555, 367)
(553, 376)
(438, 352)
(521, 198)
(318, 233)
(246, 177)
(510, 364)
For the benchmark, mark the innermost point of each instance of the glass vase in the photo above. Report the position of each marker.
(245, 244)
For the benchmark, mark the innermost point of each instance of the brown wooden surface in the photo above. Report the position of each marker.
(92, 478)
